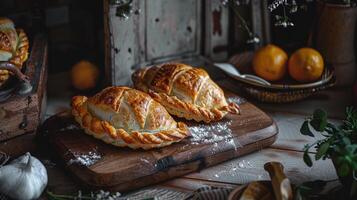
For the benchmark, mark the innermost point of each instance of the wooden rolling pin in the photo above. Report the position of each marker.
(281, 184)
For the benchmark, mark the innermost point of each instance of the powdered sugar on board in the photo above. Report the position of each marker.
(69, 128)
(85, 159)
(212, 133)
(237, 100)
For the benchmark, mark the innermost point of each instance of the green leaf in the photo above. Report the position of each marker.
(351, 148)
(319, 114)
(346, 140)
(343, 169)
(354, 165)
(332, 127)
(305, 130)
(350, 123)
(319, 120)
(337, 149)
(307, 159)
(321, 151)
(339, 160)
(318, 124)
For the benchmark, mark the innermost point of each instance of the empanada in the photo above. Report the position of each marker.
(14, 46)
(184, 91)
(122, 116)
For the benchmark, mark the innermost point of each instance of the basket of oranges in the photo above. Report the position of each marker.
(270, 75)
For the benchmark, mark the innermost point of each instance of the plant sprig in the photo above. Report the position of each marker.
(234, 5)
(340, 142)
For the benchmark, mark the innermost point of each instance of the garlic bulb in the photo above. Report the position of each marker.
(24, 178)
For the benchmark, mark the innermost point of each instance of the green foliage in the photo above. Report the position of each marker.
(307, 159)
(339, 142)
(322, 150)
(319, 120)
(305, 130)
(309, 189)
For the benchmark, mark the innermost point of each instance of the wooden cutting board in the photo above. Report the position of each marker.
(100, 165)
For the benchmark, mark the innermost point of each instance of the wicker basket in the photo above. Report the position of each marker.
(279, 92)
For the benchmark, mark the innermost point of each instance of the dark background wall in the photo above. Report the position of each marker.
(74, 28)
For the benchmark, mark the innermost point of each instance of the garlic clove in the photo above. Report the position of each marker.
(24, 178)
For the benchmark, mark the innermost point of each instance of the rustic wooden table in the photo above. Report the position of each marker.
(287, 149)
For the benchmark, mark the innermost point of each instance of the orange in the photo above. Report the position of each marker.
(269, 62)
(84, 75)
(306, 65)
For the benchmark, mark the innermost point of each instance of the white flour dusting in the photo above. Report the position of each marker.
(245, 164)
(69, 127)
(210, 133)
(216, 134)
(237, 100)
(87, 159)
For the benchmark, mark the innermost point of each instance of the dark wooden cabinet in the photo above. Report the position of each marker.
(20, 115)
(163, 30)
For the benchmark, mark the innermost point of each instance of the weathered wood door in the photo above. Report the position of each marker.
(163, 30)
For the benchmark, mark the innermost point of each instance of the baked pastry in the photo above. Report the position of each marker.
(184, 91)
(122, 116)
(14, 46)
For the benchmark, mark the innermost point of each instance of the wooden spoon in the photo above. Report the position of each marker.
(281, 184)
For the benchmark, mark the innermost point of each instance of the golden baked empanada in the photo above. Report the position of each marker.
(122, 116)
(184, 91)
(14, 46)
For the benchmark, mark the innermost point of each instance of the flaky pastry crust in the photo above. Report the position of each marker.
(122, 116)
(184, 91)
(20, 53)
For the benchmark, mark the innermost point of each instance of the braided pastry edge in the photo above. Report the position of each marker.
(190, 111)
(104, 131)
